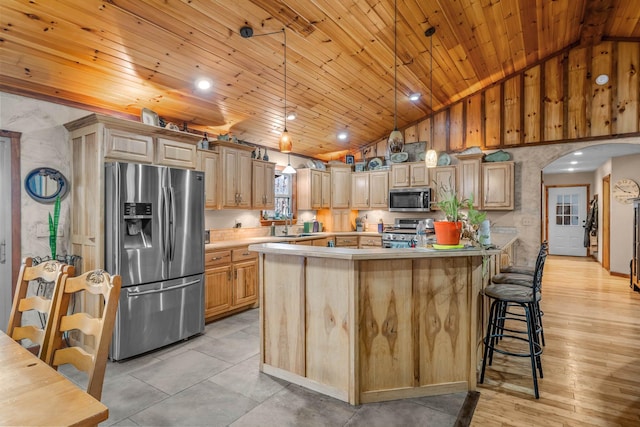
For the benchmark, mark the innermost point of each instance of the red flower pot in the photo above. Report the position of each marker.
(448, 233)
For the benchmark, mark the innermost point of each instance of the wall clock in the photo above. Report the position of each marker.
(625, 190)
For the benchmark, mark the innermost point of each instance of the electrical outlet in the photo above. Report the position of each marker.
(526, 220)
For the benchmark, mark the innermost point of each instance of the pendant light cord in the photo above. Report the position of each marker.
(431, 88)
(395, 65)
(285, 78)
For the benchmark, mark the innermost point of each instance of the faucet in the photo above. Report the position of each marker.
(288, 220)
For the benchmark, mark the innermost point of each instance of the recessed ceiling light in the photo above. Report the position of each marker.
(291, 115)
(571, 169)
(578, 153)
(342, 136)
(204, 84)
(574, 162)
(414, 96)
(602, 79)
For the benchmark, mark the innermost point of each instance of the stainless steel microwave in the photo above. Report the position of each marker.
(417, 199)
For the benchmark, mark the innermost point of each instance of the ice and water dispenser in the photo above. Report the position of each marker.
(138, 222)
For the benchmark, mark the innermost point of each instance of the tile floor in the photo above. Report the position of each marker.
(213, 380)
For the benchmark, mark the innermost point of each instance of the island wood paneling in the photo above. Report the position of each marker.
(386, 295)
(284, 326)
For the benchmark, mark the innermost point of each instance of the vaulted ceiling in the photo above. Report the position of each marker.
(119, 56)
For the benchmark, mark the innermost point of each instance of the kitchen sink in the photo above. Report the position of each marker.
(297, 235)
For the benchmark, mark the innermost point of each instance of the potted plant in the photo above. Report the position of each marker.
(457, 223)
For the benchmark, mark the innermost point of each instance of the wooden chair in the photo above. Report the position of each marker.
(48, 271)
(63, 349)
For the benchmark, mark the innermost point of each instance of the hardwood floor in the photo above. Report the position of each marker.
(591, 360)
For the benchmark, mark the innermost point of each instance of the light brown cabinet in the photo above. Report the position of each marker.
(340, 186)
(498, 186)
(175, 154)
(127, 146)
(443, 180)
(370, 190)
(231, 282)
(263, 190)
(336, 219)
(314, 189)
(236, 178)
(369, 242)
(469, 177)
(350, 242)
(209, 165)
(413, 174)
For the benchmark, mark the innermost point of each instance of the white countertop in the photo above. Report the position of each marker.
(227, 244)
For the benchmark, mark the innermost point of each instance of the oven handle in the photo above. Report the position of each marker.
(157, 291)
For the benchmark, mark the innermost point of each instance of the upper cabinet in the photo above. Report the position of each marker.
(235, 178)
(176, 154)
(498, 186)
(209, 165)
(314, 189)
(413, 174)
(469, 177)
(128, 146)
(263, 191)
(370, 190)
(340, 186)
(443, 180)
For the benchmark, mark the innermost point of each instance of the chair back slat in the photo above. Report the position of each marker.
(539, 268)
(48, 271)
(90, 359)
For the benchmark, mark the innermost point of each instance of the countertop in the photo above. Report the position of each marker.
(500, 240)
(227, 244)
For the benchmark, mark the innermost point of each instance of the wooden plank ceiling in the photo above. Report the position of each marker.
(118, 56)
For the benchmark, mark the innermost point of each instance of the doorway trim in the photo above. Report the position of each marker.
(606, 223)
(16, 242)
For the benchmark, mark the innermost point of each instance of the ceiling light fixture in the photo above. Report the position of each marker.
(289, 169)
(343, 135)
(204, 84)
(396, 140)
(285, 143)
(602, 79)
(431, 158)
(291, 115)
(414, 97)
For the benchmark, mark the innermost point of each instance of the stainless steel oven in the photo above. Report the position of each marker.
(416, 199)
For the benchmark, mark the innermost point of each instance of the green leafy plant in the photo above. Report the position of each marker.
(53, 227)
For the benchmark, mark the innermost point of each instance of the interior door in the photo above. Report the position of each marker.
(606, 222)
(5, 232)
(567, 211)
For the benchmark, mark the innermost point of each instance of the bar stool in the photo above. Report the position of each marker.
(526, 295)
(522, 275)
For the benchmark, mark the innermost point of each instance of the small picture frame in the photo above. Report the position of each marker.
(349, 159)
(359, 167)
(149, 117)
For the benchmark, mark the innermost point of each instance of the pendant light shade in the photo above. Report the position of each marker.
(396, 139)
(431, 158)
(285, 144)
(289, 169)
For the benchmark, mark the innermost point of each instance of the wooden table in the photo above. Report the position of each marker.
(33, 393)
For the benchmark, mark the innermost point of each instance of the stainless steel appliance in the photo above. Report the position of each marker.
(416, 199)
(403, 233)
(154, 222)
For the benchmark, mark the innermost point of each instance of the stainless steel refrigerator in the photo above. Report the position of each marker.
(154, 234)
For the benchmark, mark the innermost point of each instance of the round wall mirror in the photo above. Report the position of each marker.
(45, 184)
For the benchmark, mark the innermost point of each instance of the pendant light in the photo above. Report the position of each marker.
(289, 169)
(431, 158)
(285, 143)
(396, 140)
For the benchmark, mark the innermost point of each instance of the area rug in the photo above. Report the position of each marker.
(468, 407)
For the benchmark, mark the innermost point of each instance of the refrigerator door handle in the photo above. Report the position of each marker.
(165, 224)
(117, 249)
(172, 225)
(157, 291)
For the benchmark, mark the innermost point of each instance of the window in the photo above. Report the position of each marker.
(567, 209)
(284, 199)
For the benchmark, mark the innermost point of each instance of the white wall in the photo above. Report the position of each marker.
(622, 214)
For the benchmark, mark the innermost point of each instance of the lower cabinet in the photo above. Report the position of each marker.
(369, 242)
(231, 282)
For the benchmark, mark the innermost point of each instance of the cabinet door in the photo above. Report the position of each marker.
(244, 179)
(379, 190)
(469, 179)
(121, 145)
(443, 181)
(174, 153)
(245, 283)
(419, 174)
(400, 176)
(326, 190)
(229, 193)
(360, 190)
(345, 220)
(498, 185)
(316, 189)
(341, 187)
(263, 185)
(209, 164)
(217, 290)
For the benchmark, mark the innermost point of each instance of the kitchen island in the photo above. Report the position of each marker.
(367, 325)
